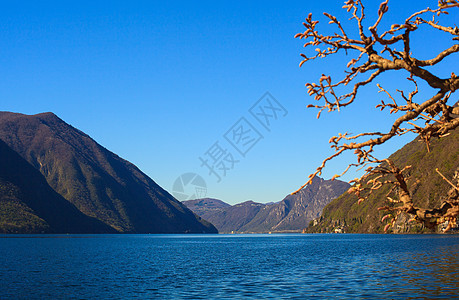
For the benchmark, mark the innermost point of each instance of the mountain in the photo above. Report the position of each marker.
(96, 181)
(206, 207)
(236, 217)
(29, 205)
(225, 217)
(293, 213)
(427, 188)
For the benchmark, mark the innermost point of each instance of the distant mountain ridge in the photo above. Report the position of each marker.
(293, 213)
(96, 181)
(206, 207)
(230, 217)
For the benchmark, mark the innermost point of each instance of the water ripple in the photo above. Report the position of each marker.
(230, 266)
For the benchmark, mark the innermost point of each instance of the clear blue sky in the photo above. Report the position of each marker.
(159, 82)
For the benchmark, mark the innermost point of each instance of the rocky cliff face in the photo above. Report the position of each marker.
(293, 213)
(96, 181)
(309, 203)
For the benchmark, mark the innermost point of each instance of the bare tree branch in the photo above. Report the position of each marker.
(439, 115)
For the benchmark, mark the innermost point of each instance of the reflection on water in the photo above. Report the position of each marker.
(230, 266)
(429, 273)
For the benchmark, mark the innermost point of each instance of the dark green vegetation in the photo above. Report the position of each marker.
(427, 189)
(29, 205)
(291, 214)
(87, 178)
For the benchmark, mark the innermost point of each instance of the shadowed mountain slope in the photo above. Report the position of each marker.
(29, 205)
(96, 181)
(236, 217)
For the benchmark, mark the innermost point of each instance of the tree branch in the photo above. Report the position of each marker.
(439, 117)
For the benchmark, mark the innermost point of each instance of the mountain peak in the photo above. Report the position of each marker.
(46, 115)
(43, 114)
(96, 181)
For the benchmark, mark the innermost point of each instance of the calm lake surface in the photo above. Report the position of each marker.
(229, 266)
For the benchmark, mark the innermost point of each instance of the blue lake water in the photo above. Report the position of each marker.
(229, 266)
